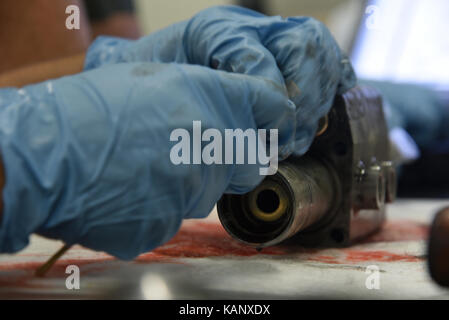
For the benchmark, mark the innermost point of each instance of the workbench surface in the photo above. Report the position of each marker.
(203, 262)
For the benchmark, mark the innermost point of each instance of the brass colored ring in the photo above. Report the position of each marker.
(323, 124)
(268, 216)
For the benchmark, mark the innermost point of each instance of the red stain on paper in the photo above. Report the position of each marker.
(19, 273)
(204, 239)
(199, 240)
(393, 231)
(357, 256)
(352, 256)
(400, 230)
(208, 240)
(325, 259)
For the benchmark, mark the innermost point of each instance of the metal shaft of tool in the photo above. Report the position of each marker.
(43, 269)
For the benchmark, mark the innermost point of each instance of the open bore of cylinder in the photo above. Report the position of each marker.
(260, 215)
(296, 197)
(268, 202)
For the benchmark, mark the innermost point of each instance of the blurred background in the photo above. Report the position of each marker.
(387, 40)
(157, 14)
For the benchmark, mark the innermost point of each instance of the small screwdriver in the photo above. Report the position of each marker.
(43, 269)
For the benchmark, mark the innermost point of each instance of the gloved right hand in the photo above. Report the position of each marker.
(87, 157)
(298, 54)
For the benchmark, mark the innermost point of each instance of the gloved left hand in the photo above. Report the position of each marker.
(88, 158)
(297, 53)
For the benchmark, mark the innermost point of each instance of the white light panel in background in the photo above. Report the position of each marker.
(404, 41)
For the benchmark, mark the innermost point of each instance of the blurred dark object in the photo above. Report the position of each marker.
(113, 18)
(438, 250)
(103, 9)
(427, 177)
(423, 112)
(256, 5)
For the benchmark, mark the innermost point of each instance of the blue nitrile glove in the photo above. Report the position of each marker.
(415, 108)
(297, 53)
(87, 157)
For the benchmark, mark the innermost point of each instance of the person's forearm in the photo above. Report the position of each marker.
(34, 74)
(42, 71)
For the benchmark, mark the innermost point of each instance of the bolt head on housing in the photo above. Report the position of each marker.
(372, 189)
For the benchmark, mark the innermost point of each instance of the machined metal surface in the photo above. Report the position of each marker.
(333, 195)
(299, 195)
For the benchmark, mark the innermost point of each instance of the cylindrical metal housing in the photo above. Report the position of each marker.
(300, 194)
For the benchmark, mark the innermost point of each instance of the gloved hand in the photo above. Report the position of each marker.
(87, 157)
(299, 54)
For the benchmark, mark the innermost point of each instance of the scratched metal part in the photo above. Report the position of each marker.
(336, 193)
